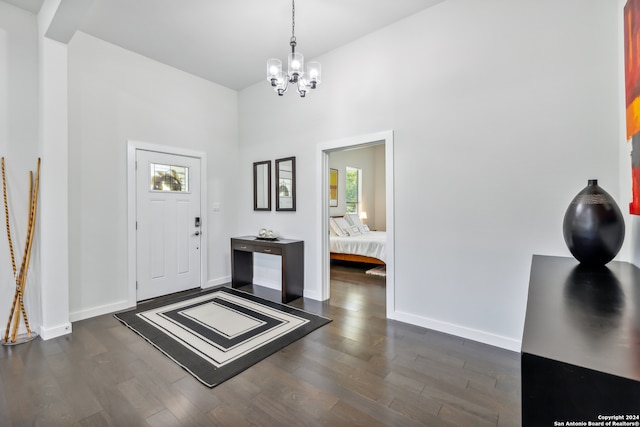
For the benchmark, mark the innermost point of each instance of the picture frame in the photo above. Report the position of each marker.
(333, 188)
(632, 95)
(262, 185)
(285, 184)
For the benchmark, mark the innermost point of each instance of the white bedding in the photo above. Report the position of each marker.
(371, 244)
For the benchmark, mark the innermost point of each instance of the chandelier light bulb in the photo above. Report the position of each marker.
(296, 66)
(313, 72)
(274, 71)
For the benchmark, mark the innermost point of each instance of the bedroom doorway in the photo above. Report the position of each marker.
(327, 205)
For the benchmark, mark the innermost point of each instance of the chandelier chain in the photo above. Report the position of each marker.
(293, 19)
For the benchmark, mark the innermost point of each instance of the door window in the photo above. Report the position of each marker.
(169, 178)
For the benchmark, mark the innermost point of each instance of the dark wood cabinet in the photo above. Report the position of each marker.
(291, 251)
(581, 344)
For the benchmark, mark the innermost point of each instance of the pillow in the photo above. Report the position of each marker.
(335, 228)
(354, 220)
(343, 226)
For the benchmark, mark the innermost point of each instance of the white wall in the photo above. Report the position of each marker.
(116, 95)
(19, 145)
(501, 111)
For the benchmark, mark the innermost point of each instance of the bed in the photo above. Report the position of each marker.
(350, 240)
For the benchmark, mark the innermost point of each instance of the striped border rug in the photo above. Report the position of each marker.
(217, 334)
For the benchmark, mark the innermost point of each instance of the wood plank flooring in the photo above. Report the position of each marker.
(361, 369)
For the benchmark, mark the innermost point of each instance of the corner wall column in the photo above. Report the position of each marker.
(54, 189)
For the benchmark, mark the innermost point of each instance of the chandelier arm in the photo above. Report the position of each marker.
(284, 88)
(301, 88)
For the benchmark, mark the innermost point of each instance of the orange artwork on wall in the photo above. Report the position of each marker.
(632, 94)
(333, 187)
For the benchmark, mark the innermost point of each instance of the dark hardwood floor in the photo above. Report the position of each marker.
(361, 369)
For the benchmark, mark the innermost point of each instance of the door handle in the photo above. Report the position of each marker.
(198, 233)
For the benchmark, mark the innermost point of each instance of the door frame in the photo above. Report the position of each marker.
(322, 226)
(132, 147)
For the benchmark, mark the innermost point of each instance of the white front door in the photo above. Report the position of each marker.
(168, 221)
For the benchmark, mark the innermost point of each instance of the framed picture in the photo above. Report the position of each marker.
(632, 92)
(333, 187)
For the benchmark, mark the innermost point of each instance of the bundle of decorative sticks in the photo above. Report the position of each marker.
(21, 275)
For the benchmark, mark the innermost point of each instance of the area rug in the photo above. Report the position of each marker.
(378, 271)
(218, 334)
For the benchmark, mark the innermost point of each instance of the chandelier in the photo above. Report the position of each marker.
(295, 70)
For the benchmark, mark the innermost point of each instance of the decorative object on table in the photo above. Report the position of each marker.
(593, 226)
(219, 333)
(632, 86)
(11, 336)
(286, 182)
(265, 234)
(295, 72)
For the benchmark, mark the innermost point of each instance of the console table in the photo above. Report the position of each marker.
(581, 344)
(291, 251)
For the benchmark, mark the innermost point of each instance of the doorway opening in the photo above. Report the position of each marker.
(327, 203)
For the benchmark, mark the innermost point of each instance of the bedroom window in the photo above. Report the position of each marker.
(353, 189)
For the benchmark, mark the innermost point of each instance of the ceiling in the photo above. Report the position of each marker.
(225, 41)
(32, 6)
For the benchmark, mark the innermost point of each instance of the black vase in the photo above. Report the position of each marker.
(593, 226)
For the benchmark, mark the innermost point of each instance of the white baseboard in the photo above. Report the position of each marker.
(460, 331)
(125, 304)
(100, 310)
(217, 282)
(315, 295)
(267, 284)
(54, 332)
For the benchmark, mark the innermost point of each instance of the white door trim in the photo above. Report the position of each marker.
(322, 206)
(132, 146)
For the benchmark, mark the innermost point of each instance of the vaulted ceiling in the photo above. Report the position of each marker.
(225, 41)
(32, 6)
